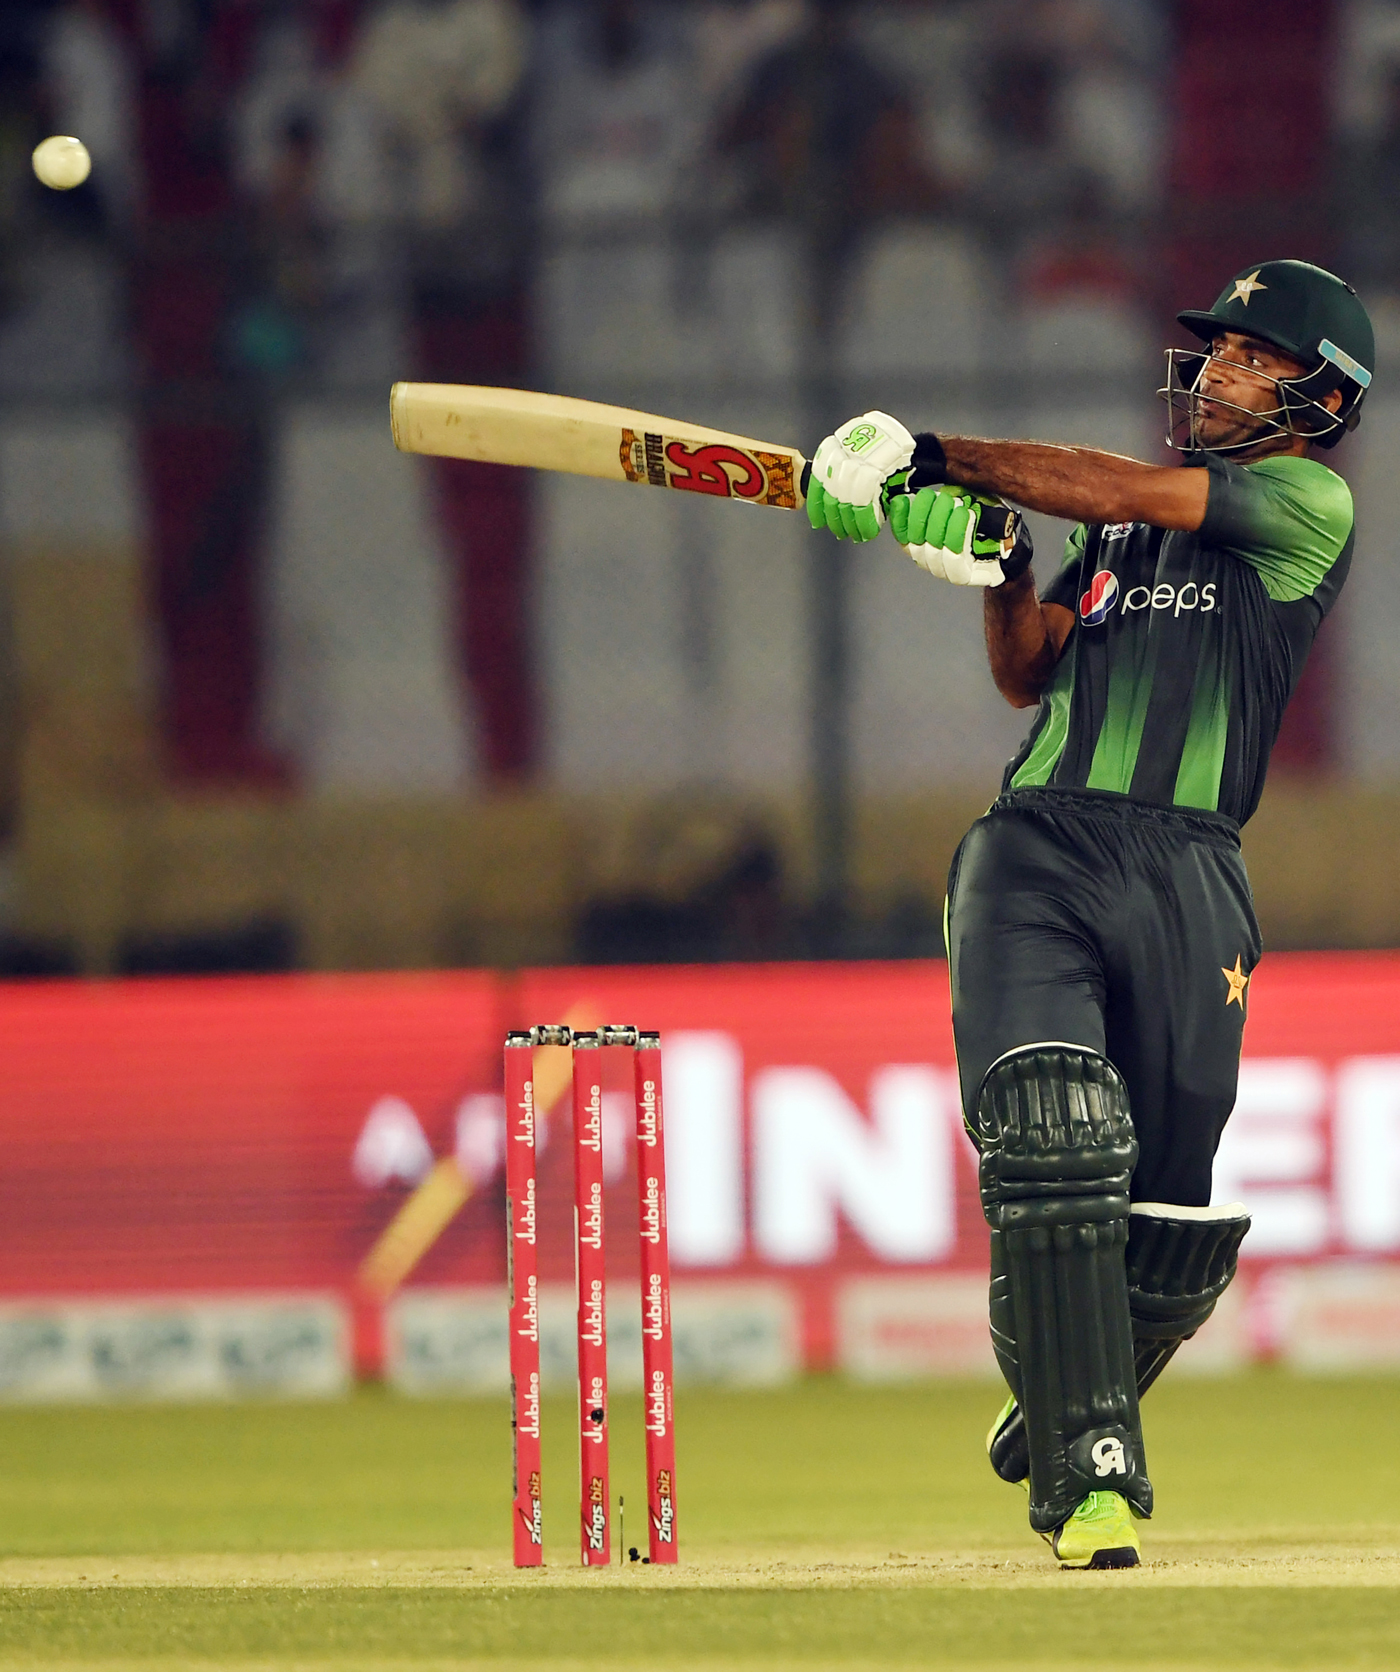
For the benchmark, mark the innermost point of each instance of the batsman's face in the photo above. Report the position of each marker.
(1240, 378)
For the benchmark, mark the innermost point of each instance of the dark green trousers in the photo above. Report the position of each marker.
(1085, 918)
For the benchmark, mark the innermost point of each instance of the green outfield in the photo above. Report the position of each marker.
(823, 1525)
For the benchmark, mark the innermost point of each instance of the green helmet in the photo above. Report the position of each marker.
(1318, 319)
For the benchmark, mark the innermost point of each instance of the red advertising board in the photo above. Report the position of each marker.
(262, 1133)
(198, 1134)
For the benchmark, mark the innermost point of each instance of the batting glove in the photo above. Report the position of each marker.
(957, 535)
(849, 470)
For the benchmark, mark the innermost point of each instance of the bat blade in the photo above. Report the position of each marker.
(586, 438)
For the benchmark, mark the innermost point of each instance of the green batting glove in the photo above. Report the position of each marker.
(895, 497)
(967, 538)
(846, 522)
(848, 472)
(940, 517)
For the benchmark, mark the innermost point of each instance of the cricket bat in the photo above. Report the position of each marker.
(585, 438)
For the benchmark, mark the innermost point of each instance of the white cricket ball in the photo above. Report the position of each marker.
(62, 162)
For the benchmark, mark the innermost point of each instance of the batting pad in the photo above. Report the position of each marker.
(1058, 1150)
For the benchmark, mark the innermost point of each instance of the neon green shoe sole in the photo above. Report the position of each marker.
(1100, 1534)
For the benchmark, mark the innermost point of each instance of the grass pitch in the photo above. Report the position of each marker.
(824, 1525)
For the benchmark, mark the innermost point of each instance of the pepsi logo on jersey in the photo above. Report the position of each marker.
(1096, 603)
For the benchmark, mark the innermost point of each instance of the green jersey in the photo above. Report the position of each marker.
(1187, 646)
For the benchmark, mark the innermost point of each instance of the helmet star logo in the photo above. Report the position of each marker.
(1245, 288)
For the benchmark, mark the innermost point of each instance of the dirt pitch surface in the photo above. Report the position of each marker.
(1170, 1563)
(823, 1526)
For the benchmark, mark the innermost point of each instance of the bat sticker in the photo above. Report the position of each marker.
(718, 468)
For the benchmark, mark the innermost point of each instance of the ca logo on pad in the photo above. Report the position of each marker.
(1096, 603)
(1108, 1458)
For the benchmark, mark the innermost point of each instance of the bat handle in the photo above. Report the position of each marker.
(806, 479)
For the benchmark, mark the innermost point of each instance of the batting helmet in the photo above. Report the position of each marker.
(1308, 313)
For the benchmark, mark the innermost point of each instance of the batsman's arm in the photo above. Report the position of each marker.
(1080, 484)
(1024, 639)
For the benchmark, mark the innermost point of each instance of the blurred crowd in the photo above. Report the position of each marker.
(355, 164)
(1367, 118)
(363, 159)
(768, 213)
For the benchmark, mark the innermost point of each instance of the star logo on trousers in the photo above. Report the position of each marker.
(1245, 288)
(1237, 981)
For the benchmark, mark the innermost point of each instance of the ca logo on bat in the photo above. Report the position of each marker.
(714, 467)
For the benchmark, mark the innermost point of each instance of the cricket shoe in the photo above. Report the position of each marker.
(1006, 1445)
(1100, 1534)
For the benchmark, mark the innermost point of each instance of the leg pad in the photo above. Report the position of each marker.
(1057, 1153)
(1179, 1263)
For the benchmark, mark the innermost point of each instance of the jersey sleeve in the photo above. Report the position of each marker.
(1064, 588)
(1288, 518)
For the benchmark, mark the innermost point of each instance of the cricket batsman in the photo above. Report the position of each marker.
(1100, 929)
